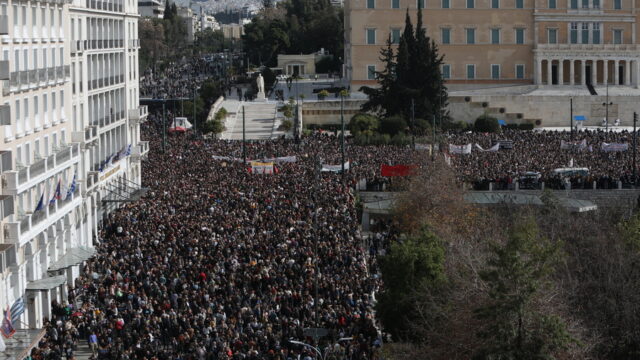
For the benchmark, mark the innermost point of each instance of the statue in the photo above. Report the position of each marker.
(260, 83)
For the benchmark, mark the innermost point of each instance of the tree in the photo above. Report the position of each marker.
(516, 273)
(486, 123)
(413, 263)
(393, 125)
(365, 124)
(412, 72)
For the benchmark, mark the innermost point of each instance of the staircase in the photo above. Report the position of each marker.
(499, 112)
(259, 121)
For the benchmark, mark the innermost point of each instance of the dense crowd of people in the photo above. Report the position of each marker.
(219, 263)
(541, 152)
(179, 79)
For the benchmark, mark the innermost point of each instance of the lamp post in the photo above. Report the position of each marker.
(606, 105)
(635, 143)
(342, 95)
(317, 350)
(413, 124)
(571, 116)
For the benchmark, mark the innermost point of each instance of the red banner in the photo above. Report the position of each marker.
(397, 170)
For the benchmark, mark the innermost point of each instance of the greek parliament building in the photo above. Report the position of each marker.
(536, 48)
(70, 146)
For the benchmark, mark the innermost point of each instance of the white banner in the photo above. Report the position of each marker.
(575, 145)
(225, 158)
(614, 147)
(494, 148)
(261, 167)
(282, 159)
(334, 168)
(460, 149)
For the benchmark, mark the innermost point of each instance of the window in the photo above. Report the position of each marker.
(446, 71)
(471, 36)
(617, 4)
(495, 36)
(470, 4)
(445, 4)
(617, 36)
(420, 4)
(371, 72)
(585, 33)
(371, 4)
(395, 4)
(519, 71)
(519, 36)
(446, 35)
(395, 36)
(552, 36)
(471, 71)
(585, 4)
(574, 33)
(596, 33)
(371, 36)
(495, 71)
(519, 4)
(574, 4)
(596, 4)
(495, 4)
(552, 4)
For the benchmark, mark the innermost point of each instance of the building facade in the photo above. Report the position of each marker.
(504, 42)
(151, 8)
(69, 139)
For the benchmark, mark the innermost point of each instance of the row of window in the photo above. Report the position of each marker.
(445, 36)
(25, 155)
(35, 21)
(44, 57)
(470, 69)
(496, 4)
(45, 105)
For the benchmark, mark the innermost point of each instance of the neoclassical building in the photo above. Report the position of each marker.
(504, 42)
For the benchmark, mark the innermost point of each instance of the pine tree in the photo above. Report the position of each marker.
(517, 273)
(381, 99)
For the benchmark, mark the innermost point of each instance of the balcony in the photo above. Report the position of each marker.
(4, 25)
(91, 182)
(34, 223)
(5, 114)
(616, 48)
(89, 135)
(16, 182)
(134, 43)
(77, 46)
(139, 114)
(140, 150)
(6, 163)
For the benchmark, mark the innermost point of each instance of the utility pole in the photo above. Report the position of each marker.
(164, 127)
(635, 143)
(244, 139)
(433, 142)
(571, 116)
(342, 134)
(413, 124)
(606, 110)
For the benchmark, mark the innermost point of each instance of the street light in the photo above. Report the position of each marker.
(606, 105)
(317, 350)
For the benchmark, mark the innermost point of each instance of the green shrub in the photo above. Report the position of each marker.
(393, 125)
(286, 125)
(363, 123)
(400, 139)
(486, 123)
(213, 126)
(512, 126)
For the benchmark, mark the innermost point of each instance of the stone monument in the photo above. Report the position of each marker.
(260, 83)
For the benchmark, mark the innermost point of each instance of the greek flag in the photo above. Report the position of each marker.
(72, 188)
(17, 309)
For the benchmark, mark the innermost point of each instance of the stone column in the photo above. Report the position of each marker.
(583, 73)
(538, 71)
(572, 74)
(636, 67)
(549, 82)
(605, 74)
(594, 72)
(616, 79)
(561, 72)
(627, 73)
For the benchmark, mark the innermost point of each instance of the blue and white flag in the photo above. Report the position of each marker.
(57, 195)
(17, 309)
(40, 205)
(72, 188)
(128, 150)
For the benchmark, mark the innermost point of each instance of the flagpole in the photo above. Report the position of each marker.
(244, 145)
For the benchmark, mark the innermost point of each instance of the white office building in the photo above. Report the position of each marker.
(69, 141)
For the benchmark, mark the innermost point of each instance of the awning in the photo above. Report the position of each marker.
(123, 190)
(73, 256)
(502, 123)
(580, 118)
(47, 283)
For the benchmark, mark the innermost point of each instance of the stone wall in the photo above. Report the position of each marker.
(624, 198)
(327, 112)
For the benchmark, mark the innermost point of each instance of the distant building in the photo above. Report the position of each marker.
(208, 22)
(232, 31)
(151, 8)
(190, 20)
